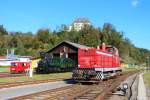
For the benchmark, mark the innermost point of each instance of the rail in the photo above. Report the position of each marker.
(75, 92)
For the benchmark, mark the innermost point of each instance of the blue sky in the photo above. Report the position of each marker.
(130, 16)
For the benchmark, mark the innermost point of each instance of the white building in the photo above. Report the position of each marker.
(79, 23)
(4, 61)
(11, 57)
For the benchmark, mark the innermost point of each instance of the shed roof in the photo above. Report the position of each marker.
(70, 43)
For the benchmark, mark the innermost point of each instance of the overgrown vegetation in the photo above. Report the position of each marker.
(147, 78)
(43, 40)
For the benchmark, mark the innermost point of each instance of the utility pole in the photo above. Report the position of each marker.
(148, 63)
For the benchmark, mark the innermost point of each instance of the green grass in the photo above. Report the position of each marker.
(37, 77)
(4, 66)
(147, 79)
(4, 69)
(132, 69)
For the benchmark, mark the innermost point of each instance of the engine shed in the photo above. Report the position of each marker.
(66, 49)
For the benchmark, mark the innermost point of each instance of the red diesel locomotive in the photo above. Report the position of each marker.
(97, 63)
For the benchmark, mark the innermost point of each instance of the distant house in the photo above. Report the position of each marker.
(34, 62)
(79, 23)
(11, 57)
(4, 61)
(24, 58)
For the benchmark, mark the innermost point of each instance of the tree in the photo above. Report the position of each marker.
(3, 31)
(89, 36)
(43, 35)
(105, 34)
(13, 42)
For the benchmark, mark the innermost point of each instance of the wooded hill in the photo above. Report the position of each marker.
(31, 44)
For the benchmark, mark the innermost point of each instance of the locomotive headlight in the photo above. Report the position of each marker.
(95, 65)
(78, 65)
(13, 68)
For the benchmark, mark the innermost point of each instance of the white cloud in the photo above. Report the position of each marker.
(135, 3)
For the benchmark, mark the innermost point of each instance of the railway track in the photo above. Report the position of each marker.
(7, 74)
(14, 84)
(79, 92)
(61, 93)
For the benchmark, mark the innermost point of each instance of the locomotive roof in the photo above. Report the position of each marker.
(70, 43)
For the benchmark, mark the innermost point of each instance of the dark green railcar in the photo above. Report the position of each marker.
(55, 65)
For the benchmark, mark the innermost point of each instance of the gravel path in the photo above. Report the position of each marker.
(7, 93)
(141, 89)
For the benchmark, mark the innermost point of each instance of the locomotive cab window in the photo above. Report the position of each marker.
(110, 50)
